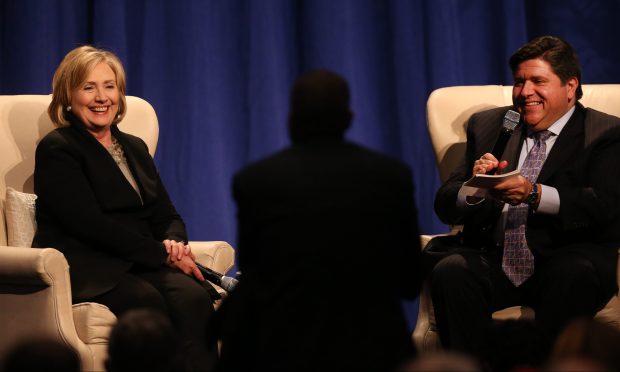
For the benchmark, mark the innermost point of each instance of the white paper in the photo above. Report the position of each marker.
(479, 185)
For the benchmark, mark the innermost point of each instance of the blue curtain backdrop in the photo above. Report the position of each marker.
(218, 72)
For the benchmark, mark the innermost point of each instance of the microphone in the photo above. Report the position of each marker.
(511, 120)
(223, 281)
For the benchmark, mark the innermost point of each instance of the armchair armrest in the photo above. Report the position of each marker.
(216, 255)
(424, 239)
(35, 300)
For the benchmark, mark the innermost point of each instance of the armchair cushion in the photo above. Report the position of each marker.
(93, 322)
(20, 217)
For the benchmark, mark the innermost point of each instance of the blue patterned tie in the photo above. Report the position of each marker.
(518, 261)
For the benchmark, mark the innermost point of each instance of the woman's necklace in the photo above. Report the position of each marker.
(116, 150)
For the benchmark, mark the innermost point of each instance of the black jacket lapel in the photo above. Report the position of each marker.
(569, 144)
(140, 167)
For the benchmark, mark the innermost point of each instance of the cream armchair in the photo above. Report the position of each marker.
(35, 290)
(448, 110)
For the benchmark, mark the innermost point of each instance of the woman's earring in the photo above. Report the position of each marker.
(68, 108)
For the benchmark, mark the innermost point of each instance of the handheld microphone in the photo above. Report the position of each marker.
(223, 281)
(511, 120)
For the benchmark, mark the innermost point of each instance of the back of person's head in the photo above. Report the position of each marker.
(559, 54)
(516, 344)
(445, 361)
(589, 340)
(319, 106)
(576, 364)
(42, 355)
(144, 340)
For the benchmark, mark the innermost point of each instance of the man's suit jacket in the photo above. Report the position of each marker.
(88, 210)
(328, 246)
(588, 218)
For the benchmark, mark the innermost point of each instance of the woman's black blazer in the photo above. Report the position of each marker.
(87, 209)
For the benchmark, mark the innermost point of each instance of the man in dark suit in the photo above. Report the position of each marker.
(328, 247)
(547, 238)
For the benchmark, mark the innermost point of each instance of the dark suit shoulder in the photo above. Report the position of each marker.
(74, 136)
(610, 137)
(255, 167)
(597, 124)
(380, 157)
(593, 114)
(343, 154)
(487, 123)
(57, 137)
(491, 114)
(63, 139)
(600, 119)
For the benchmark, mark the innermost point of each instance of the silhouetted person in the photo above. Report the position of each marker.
(328, 247)
(144, 340)
(42, 355)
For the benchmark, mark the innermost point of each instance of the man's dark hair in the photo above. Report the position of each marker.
(319, 106)
(555, 51)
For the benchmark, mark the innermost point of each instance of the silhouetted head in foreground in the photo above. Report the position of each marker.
(319, 107)
(143, 340)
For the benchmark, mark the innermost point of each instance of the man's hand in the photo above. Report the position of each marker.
(513, 191)
(488, 162)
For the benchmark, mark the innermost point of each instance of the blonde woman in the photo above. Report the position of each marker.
(101, 202)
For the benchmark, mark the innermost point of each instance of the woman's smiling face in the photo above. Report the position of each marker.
(95, 101)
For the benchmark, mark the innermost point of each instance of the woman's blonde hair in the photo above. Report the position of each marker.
(73, 71)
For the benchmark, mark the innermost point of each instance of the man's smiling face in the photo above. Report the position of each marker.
(539, 95)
